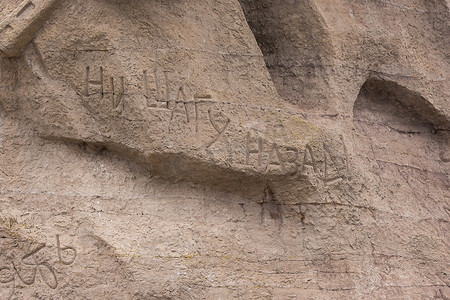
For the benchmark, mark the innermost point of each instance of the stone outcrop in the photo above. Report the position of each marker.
(224, 149)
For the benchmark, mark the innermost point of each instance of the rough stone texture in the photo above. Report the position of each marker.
(224, 149)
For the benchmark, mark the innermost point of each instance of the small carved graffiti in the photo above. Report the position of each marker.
(253, 147)
(48, 277)
(66, 249)
(311, 162)
(215, 123)
(180, 105)
(160, 97)
(325, 162)
(97, 83)
(274, 158)
(117, 95)
(34, 263)
(97, 86)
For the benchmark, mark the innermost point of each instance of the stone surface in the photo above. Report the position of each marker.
(224, 149)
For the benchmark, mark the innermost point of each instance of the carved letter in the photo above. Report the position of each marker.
(312, 163)
(59, 250)
(219, 130)
(197, 100)
(249, 150)
(88, 81)
(330, 162)
(159, 96)
(278, 160)
(293, 160)
(181, 99)
(36, 265)
(147, 94)
(117, 97)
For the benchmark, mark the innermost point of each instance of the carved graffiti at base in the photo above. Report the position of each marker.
(35, 263)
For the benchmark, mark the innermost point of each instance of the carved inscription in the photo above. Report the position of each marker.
(220, 123)
(160, 97)
(254, 147)
(180, 105)
(220, 129)
(330, 170)
(45, 270)
(98, 83)
(268, 156)
(291, 155)
(117, 94)
(93, 85)
(68, 250)
(262, 146)
(35, 263)
(265, 155)
(199, 99)
(345, 153)
(261, 151)
(311, 162)
(274, 158)
(159, 88)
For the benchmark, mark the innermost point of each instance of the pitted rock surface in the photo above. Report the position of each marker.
(224, 149)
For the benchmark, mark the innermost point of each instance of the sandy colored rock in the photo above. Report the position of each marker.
(224, 149)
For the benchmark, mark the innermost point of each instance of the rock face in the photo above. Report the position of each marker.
(224, 149)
